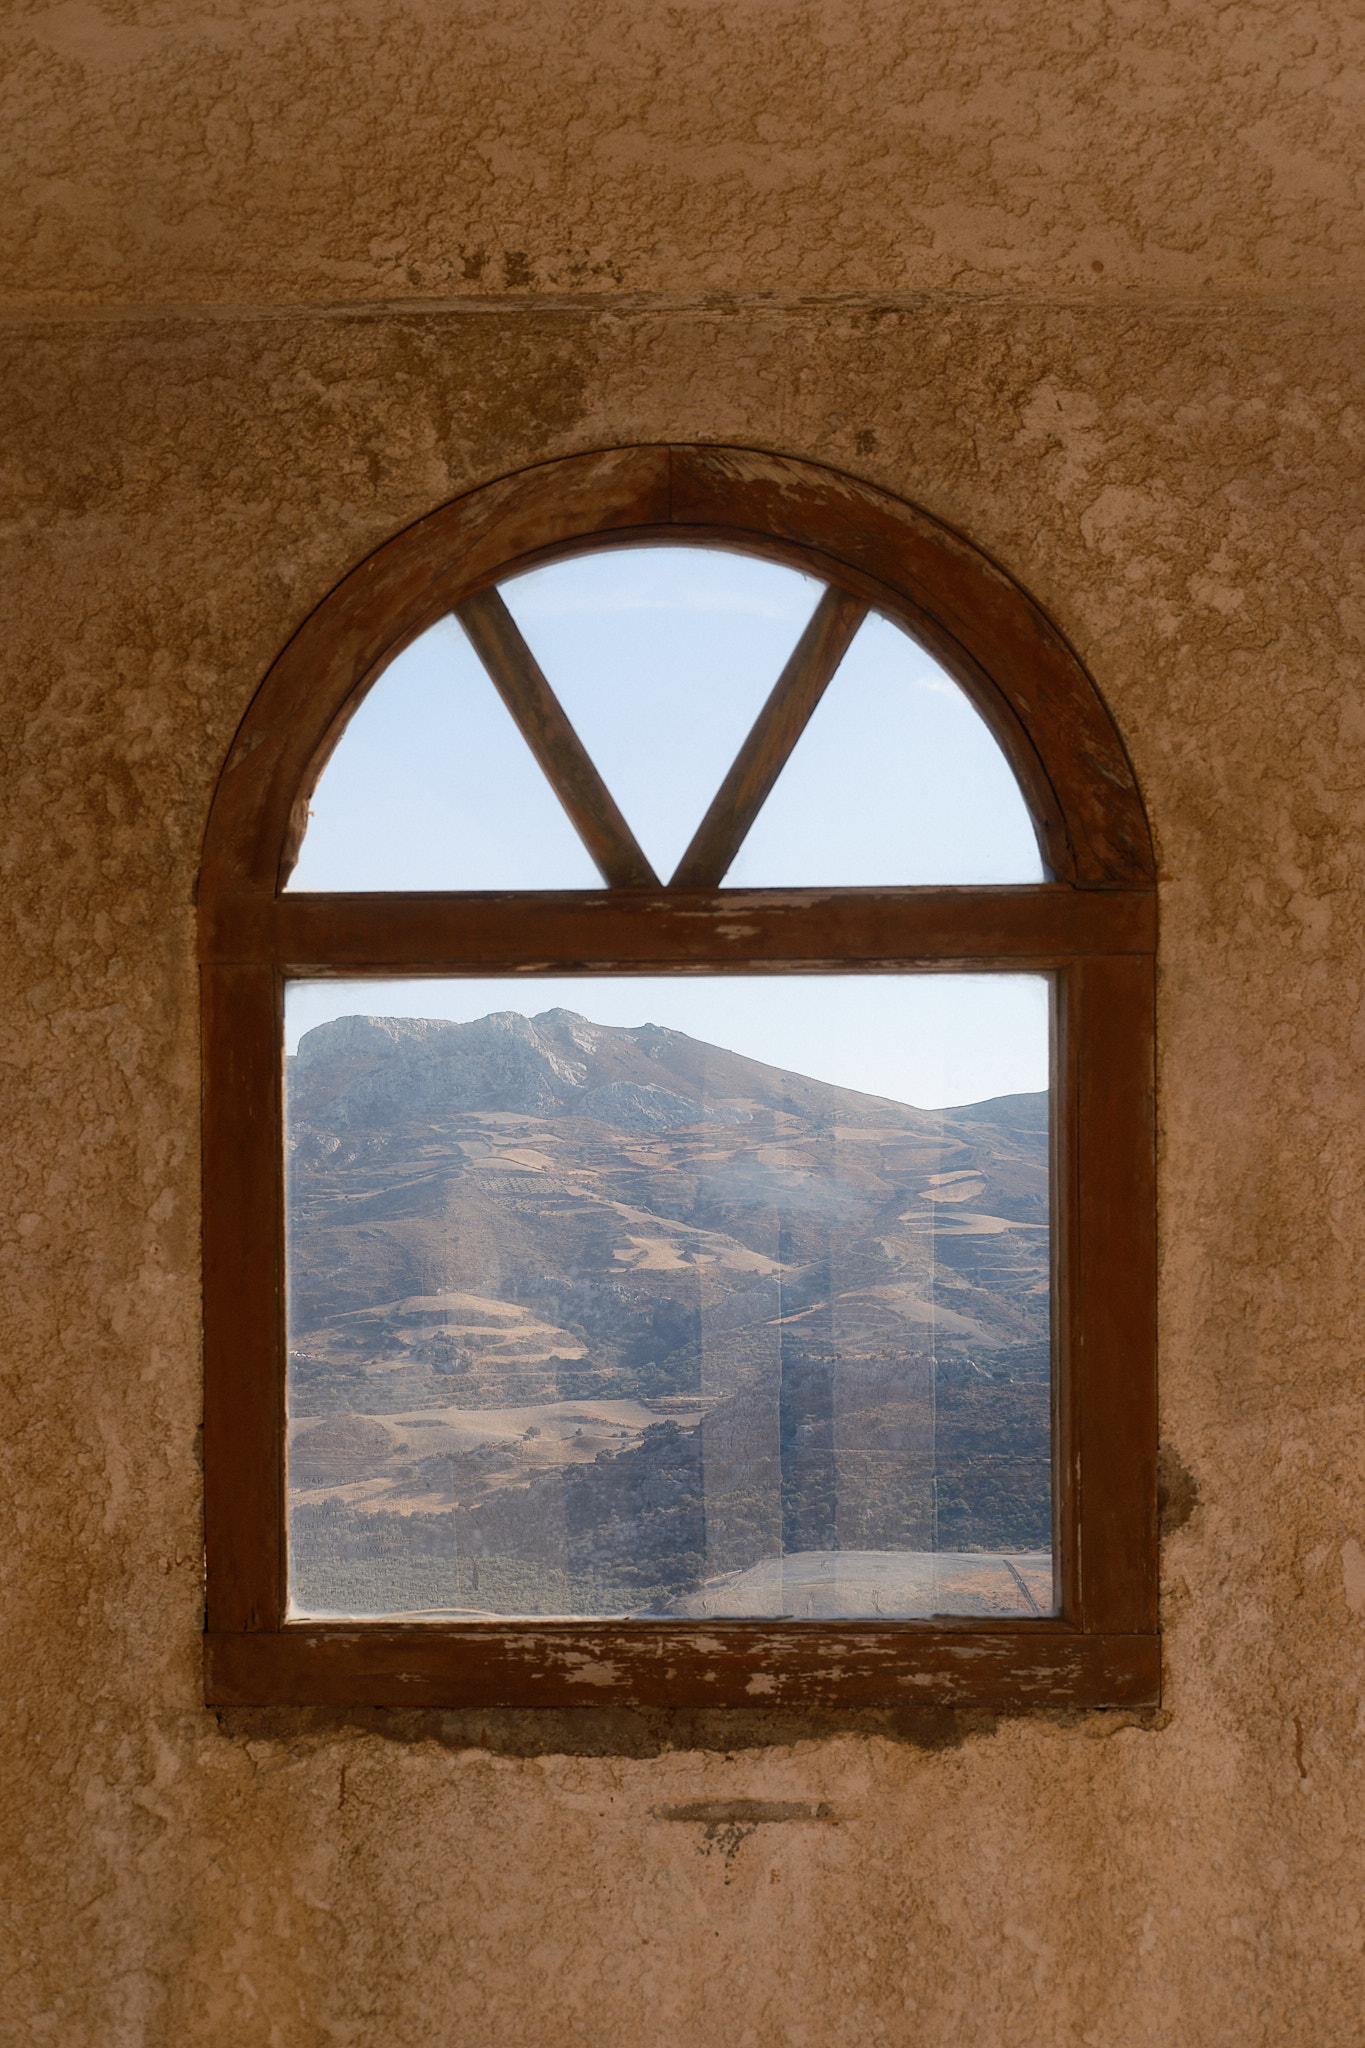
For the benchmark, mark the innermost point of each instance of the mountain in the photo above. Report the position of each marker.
(596, 1316)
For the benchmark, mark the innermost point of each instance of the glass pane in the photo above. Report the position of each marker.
(665, 1300)
(662, 658)
(896, 780)
(433, 787)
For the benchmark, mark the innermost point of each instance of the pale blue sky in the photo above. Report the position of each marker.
(662, 658)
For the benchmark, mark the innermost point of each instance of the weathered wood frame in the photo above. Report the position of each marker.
(1092, 927)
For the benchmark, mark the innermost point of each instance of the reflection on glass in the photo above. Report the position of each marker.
(662, 658)
(433, 787)
(607, 1319)
(896, 781)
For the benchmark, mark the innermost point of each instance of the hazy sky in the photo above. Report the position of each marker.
(662, 658)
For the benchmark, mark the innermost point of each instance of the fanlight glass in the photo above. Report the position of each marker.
(433, 787)
(663, 659)
(896, 780)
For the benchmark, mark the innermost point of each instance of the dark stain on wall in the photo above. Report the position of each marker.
(608, 1731)
(1177, 1492)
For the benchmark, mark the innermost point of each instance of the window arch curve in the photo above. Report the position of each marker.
(998, 645)
(1089, 928)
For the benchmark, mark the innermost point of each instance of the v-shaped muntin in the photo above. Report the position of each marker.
(591, 808)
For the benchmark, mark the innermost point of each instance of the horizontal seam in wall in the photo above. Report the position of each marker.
(1200, 304)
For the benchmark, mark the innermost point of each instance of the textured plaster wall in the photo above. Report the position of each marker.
(205, 424)
(379, 148)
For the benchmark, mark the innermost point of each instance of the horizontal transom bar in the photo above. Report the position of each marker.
(723, 931)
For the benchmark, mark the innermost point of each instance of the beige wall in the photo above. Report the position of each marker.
(1085, 282)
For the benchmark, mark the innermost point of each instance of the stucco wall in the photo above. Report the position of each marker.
(282, 278)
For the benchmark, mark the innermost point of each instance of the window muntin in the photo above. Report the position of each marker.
(662, 658)
(615, 1319)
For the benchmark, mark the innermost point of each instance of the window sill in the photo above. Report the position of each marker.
(642, 1664)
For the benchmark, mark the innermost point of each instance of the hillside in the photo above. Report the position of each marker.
(602, 1316)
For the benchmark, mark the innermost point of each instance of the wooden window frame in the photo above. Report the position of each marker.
(1092, 928)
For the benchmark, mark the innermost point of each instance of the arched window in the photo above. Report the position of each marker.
(678, 935)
